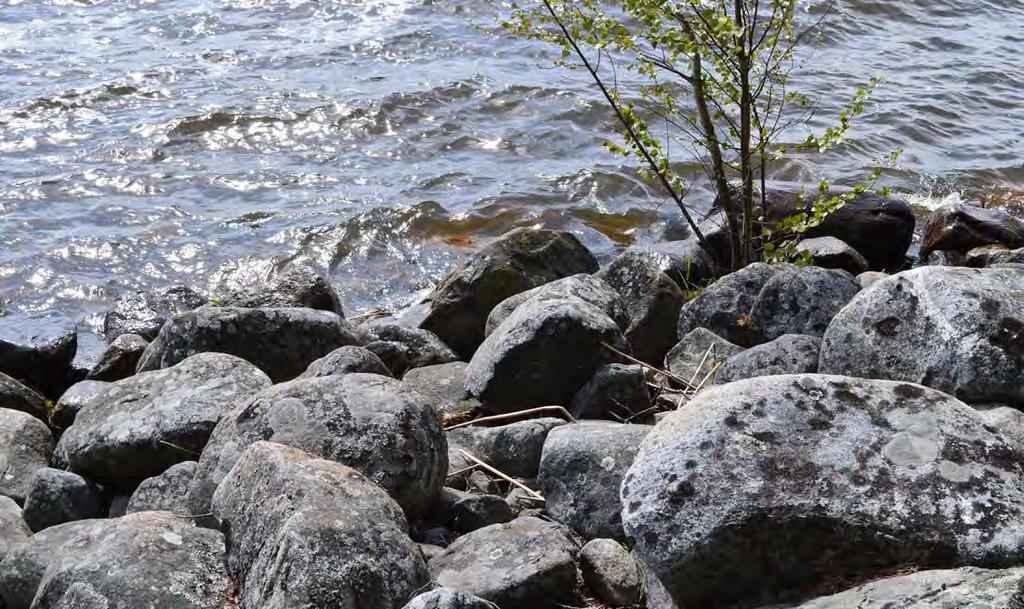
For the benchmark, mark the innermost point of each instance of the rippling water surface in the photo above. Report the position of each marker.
(144, 143)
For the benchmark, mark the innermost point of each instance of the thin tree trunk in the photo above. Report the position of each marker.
(746, 170)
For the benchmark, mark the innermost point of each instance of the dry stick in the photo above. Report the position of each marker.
(700, 366)
(181, 448)
(646, 365)
(512, 415)
(708, 375)
(503, 476)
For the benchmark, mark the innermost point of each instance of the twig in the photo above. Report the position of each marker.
(700, 366)
(181, 448)
(512, 415)
(503, 476)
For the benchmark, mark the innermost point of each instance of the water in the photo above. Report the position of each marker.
(147, 143)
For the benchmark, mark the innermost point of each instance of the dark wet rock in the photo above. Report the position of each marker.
(346, 360)
(144, 313)
(464, 512)
(616, 391)
(402, 348)
(766, 487)
(294, 286)
(960, 228)
(965, 588)
(799, 300)
(444, 387)
(611, 573)
(831, 253)
(365, 421)
(119, 359)
(651, 300)
(13, 530)
(308, 532)
(958, 330)
(699, 355)
(445, 598)
(880, 228)
(167, 492)
(944, 258)
(581, 471)
(514, 449)
(542, 354)
(138, 427)
(39, 352)
(685, 262)
(16, 396)
(524, 564)
(588, 288)
(788, 354)
(280, 342)
(151, 559)
(989, 255)
(513, 263)
(870, 278)
(73, 400)
(56, 497)
(724, 307)
(119, 506)
(26, 446)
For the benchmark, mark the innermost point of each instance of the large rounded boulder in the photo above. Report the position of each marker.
(768, 487)
(26, 446)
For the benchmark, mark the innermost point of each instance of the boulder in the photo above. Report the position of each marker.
(16, 396)
(73, 400)
(964, 588)
(514, 449)
(138, 427)
(293, 286)
(588, 288)
(167, 492)
(787, 354)
(958, 330)
(870, 278)
(13, 530)
(799, 300)
(365, 421)
(144, 313)
(616, 391)
(685, 262)
(989, 255)
(581, 470)
(446, 598)
(542, 354)
(444, 387)
(281, 342)
(513, 263)
(150, 559)
(651, 300)
(724, 306)
(610, 573)
(524, 564)
(402, 348)
(119, 359)
(56, 497)
(762, 489)
(307, 532)
(700, 355)
(959, 228)
(346, 360)
(26, 445)
(38, 352)
(463, 512)
(1009, 422)
(831, 253)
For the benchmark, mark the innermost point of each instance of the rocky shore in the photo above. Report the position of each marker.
(543, 431)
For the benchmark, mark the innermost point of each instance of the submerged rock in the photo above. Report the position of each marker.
(26, 446)
(959, 228)
(764, 488)
(144, 313)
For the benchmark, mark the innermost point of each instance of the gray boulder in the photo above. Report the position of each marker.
(651, 300)
(766, 487)
(958, 330)
(150, 559)
(787, 354)
(293, 286)
(514, 449)
(588, 288)
(13, 530)
(464, 512)
(991, 255)
(685, 261)
(799, 300)
(346, 360)
(700, 355)
(1009, 422)
(38, 352)
(610, 573)
(56, 497)
(73, 400)
(581, 470)
(524, 564)
(307, 532)
(446, 598)
(119, 359)
(444, 387)
(513, 263)
(365, 421)
(831, 253)
(26, 446)
(281, 342)
(542, 354)
(616, 391)
(16, 396)
(167, 492)
(724, 306)
(138, 427)
(144, 313)
(959, 228)
(870, 278)
(964, 588)
(402, 348)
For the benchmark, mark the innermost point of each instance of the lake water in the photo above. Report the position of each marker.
(145, 142)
